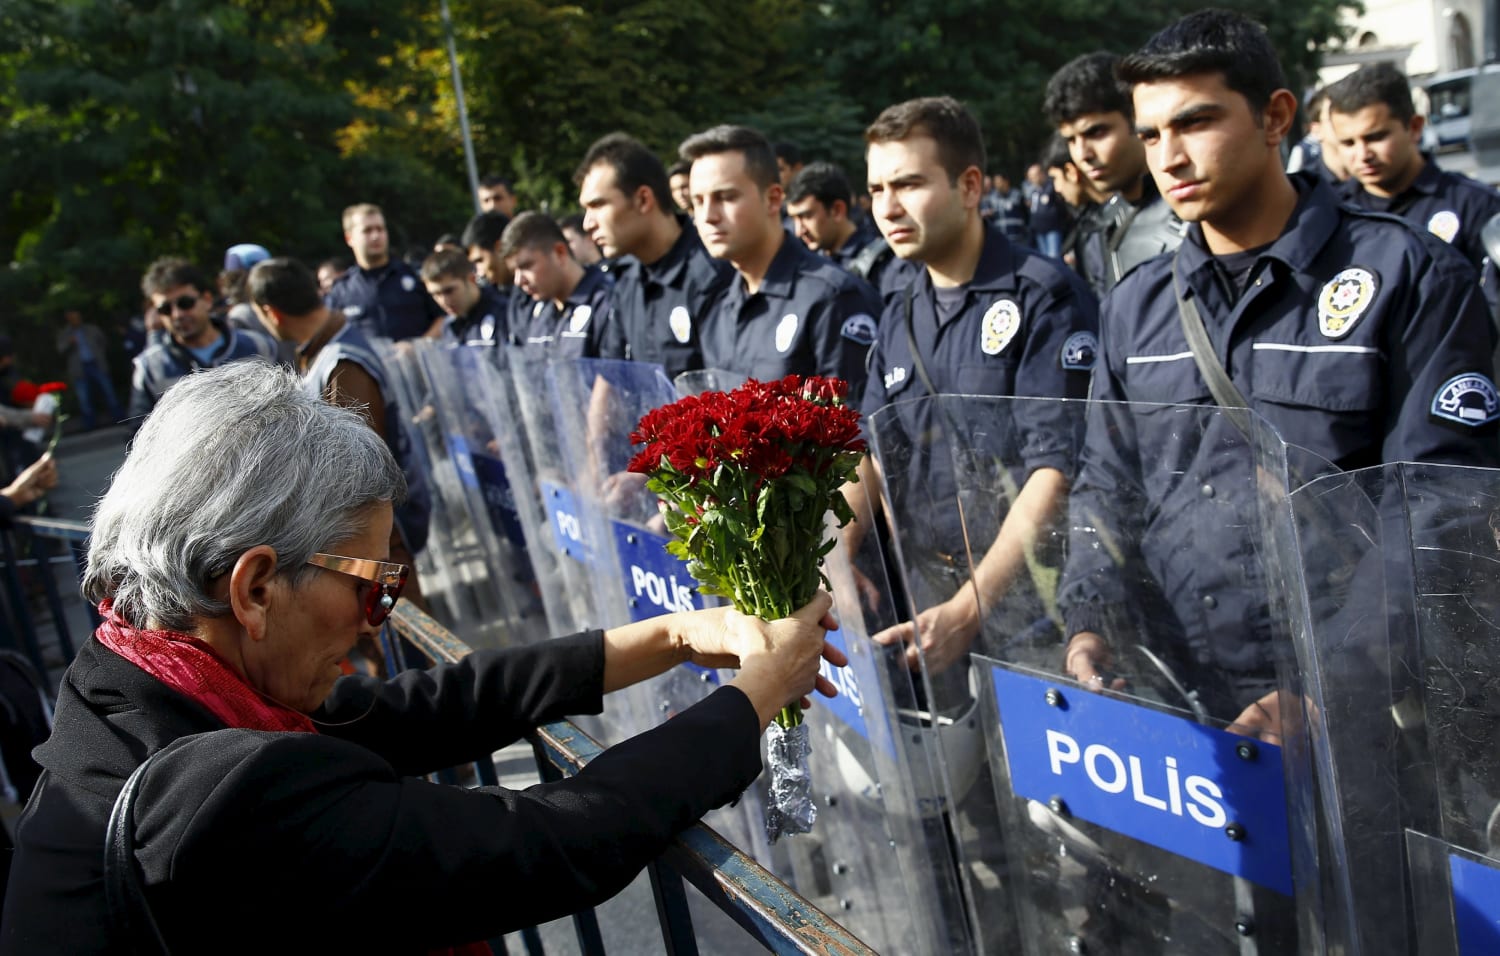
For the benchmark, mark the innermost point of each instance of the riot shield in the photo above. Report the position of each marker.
(561, 554)
(872, 843)
(454, 567)
(458, 378)
(1160, 805)
(1398, 639)
(698, 381)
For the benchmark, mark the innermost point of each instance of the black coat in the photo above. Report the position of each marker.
(257, 842)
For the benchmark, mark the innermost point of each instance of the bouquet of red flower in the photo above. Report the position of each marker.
(747, 477)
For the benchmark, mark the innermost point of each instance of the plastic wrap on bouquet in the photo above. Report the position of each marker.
(790, 809)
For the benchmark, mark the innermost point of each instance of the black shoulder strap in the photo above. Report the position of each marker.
(1223, 389)
(917, 364)
(131, 921)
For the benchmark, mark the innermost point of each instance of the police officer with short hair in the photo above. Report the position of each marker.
(1092, 111)
(1375, 124)
(819, 201)
(477, 314)
(1358, 338)
(983, 316)
(565, 307)
(380, 295)
(789, 311)
(666, 283)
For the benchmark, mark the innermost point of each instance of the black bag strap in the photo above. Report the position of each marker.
(130, 916)
(916, 355)
(1223, 389)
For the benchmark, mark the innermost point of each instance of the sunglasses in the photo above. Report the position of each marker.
(386, 581)
(183, 303)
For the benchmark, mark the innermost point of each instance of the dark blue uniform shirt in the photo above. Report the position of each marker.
(1358, 338)
(575, 330)
(1026, 327)
(658, 310)
(389, 302)
(486, 323)
(809, 317)
(1452, 207)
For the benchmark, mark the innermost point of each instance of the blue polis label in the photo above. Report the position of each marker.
(1161, 779)
(656, 582)
(848, 706)
(563, 516)
(1476, 905)
(458, 452)
(499, 499)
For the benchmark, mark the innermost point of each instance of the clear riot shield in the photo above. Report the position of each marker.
(703, 380)
(562, 555)
(454, 567)
(1400, 642)
(877, 856)
(1161, 806)
(458, 378)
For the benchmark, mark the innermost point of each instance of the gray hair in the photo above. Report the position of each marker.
(231, 458)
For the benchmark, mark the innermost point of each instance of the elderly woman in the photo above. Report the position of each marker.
(239, 553)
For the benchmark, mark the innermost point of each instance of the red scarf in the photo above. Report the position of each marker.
(191, 667)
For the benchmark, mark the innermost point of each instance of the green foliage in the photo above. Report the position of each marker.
(131, 129)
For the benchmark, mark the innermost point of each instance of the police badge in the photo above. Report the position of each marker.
(681, 324)
(1444, 225)
(1001, 323)
(786, 331)
(1343, 300)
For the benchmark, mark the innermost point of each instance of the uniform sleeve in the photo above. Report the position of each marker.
(329, 840)
(1447, 336)
(844, 331)
(613, 341)
(1104, 519)
(1060, 350)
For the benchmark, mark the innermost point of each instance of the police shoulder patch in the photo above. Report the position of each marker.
(786, 332)
(860, 328)
(1469, 399)
(681, 324)
(1344, 299)
(1079, 352)
(1002, 321)
(1444, 225)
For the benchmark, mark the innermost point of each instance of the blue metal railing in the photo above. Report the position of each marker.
(766, 908)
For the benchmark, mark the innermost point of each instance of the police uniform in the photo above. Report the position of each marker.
(657, 310)
(1452, 207)
(866, 254)
(1358, 338)
(349, 344)
(486, 323)
(162, 364)
(389, 302)
(809, 317)
(575, 330)
(1026, 327)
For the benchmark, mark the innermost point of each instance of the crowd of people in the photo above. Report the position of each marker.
(1160, 250)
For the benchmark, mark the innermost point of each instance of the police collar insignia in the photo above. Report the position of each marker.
(1079, 351)
(895, 377)
(579, 318)
(681, 324)
(1343, 300)
(860, 328)
(786, 331)
(1001, 323)
(408, 283)
(1469, 399)
(1444, 225)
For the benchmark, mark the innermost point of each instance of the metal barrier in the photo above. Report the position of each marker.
(30, 545)
(771, 912)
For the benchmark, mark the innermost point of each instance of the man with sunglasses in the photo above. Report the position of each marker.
(183, 297)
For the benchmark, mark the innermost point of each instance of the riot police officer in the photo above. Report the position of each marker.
(381, 296)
